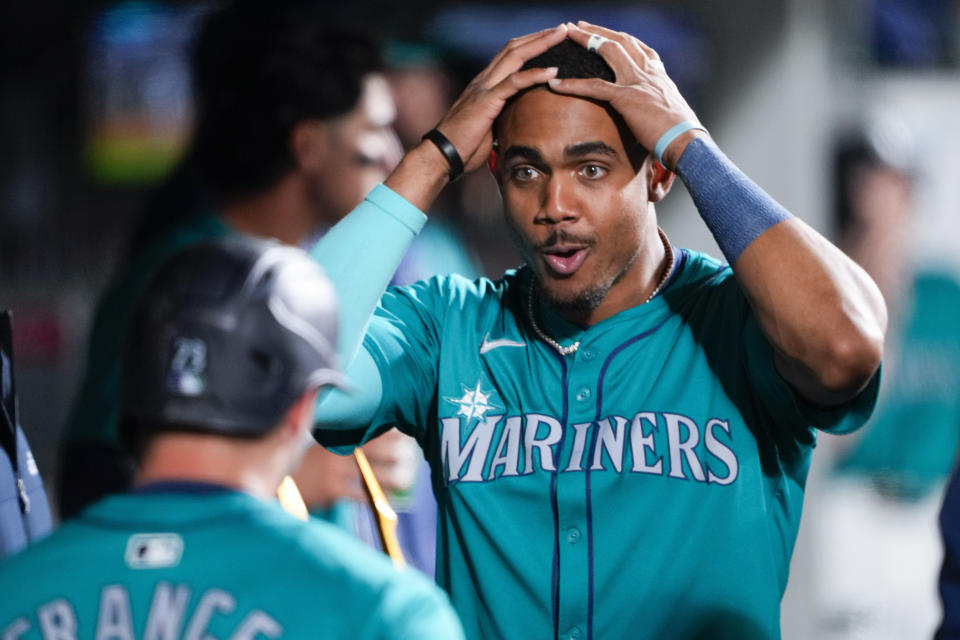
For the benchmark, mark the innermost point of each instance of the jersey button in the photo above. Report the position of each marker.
(588, 354)
(573, 535)
(583, 395)
(574, 633)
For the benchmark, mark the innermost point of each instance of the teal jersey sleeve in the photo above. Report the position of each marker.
(394, 375)
(424, 610)
(342, 416)
(405, 344)
(781, 399)
(784, 424)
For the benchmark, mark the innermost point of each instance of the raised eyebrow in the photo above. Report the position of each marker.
(588, 148)
(524, 153)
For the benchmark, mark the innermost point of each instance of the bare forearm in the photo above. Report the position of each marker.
(821, 311)
(420, 176)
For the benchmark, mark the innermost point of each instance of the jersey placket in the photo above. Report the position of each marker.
(573, 528)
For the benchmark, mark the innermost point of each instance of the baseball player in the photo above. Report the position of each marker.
(886, 484)
(227, 352)
(619, 431)
(315, 111)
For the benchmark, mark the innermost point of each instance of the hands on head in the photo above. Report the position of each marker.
(644, 95)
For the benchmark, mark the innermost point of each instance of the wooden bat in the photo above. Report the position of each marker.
(291, 500)
(383, 513)
(386, 518)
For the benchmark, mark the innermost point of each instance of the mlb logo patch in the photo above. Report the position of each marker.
(187, 369)
(153, 550)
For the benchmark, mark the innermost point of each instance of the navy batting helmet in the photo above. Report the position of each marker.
(226, 338)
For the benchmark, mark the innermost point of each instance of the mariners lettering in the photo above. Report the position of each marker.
(653, 443)
(167, 617)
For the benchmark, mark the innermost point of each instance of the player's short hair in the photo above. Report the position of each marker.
(571, 61)
(228, 335)
(257, 72)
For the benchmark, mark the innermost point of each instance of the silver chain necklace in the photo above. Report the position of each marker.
(569, 350)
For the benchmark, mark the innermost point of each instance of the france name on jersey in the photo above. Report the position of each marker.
(166, 566)
(649, 485)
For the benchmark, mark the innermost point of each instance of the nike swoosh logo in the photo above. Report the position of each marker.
(490, 345)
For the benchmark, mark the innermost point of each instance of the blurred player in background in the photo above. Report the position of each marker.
(423, 88)
(226, 354)
(293, 128)
(619, 432)
(24, 510)
(877, 542)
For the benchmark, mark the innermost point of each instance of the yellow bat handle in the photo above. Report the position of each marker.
(385, 516)
(291, 500)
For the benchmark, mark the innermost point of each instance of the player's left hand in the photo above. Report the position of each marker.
(644, 95)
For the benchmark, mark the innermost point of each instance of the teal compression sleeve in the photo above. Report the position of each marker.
(360, 254)
(354, 408)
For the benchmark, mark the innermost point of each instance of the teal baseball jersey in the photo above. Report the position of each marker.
(94, 413)
(909, 446)
(211, 564)
(648, 486)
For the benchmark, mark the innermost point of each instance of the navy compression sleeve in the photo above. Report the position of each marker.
(735, 209)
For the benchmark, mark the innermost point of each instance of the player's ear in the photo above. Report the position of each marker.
(309, 145)
(493, 163)
(299, 418)
(659, 180)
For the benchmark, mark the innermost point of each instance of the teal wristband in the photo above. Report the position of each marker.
(672, 134)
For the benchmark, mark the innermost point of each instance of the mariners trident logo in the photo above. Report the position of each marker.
(474, 403)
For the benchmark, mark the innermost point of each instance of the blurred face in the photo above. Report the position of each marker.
(302, 417)
(880, 200)
(422, 96)
(578, 210)
(361, 151)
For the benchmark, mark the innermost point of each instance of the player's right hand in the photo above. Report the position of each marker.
(468, 123)
(423, 172)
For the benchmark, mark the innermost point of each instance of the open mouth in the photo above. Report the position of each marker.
(564, 261)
